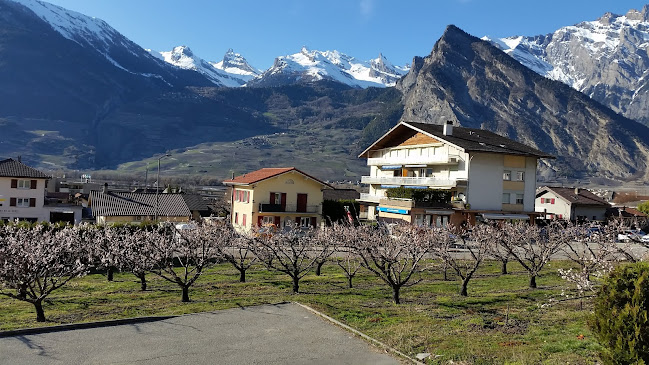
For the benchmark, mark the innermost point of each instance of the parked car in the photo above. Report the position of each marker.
(630, 235)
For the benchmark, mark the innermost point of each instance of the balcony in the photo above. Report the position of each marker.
(415, 160)
(370, 198)
(410, 181)
(289, 208)
(409, 204)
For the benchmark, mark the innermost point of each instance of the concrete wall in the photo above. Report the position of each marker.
(7, 192)
(485, 181)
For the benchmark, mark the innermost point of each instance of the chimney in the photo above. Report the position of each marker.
(576, 191)
(448, 128)
(105, 189)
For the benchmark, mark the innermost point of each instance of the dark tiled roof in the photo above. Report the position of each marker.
(583, 197)
(340, 194)
(13, 168)
(624, 212)
(471, 139)
(195, 202)
(266, 173)
(129, 204)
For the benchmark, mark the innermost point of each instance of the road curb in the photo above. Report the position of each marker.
(361, 334)
(76, 326)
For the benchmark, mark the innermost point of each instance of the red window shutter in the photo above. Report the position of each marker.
(542, 200)
(244, 220)
(12, 202)
(277, 221)
(552, 201)
(272, 198)
(313, 222)
(248, 198)
(33, 184)
(14, 183)
(32, 202)
(260, 220)
(283, 201)
(297, 221)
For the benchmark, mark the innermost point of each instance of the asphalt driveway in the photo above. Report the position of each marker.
(269, 334)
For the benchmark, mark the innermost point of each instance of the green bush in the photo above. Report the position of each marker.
(420, 195)
(644, 207)
(621, 320)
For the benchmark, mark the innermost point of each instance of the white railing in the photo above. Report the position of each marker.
(371, 198)
(415, 181)
(413, 160)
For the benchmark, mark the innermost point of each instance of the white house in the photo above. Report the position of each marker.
(486, 175)
(573, 204)
(22, 192)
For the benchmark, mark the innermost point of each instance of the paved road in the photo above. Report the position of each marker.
(270, 334)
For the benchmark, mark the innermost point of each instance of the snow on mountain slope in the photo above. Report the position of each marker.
(184, 58)
(97, 36)
(606, 59)
(307, 66)
(236, 64)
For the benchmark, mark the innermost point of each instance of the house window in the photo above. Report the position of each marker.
(506, 198)
(276, 198)
(305, 222)
(268, 220)
(22, 202)
(24, 184)
(520, 176)
(519, 199)
(507, 175)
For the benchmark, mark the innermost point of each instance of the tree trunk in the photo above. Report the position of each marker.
(40, 314)
(296, 285)
(349, 280)
(445, 272)
(503, 268)
(318, 268)
(142, 277)
(109, 273)
(395, 294)
(533, 281)
(242, 275)
(185, 294)
(463, 291)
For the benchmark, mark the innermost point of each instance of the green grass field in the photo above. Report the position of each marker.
(500, 322)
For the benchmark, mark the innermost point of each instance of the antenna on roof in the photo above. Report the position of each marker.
(19, 158)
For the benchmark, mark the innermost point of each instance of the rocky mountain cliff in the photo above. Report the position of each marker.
(606, 59)
(471, 81)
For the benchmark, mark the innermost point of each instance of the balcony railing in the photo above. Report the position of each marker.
(406, 181)
(289, 208)
(370, 198)
(414, 160)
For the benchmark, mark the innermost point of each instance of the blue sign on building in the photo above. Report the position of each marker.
(393, 210)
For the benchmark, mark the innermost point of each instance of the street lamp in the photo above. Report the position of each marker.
(157, 187)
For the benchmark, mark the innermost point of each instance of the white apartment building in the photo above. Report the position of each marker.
(486, 175)
(22, 192)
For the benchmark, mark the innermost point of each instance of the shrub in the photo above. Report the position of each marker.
(621, 318)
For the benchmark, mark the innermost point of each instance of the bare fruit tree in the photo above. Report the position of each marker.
(393, 255)
(290, 251)
(180, 256)
(533, 246)
(35, 261)
(345, 239)
(237, 250)
(463, 256)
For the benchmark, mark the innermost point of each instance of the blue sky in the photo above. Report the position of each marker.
(263, 29)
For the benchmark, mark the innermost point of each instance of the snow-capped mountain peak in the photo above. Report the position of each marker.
(313, 65)
(606, 58)
(236, 64)
(183, 57)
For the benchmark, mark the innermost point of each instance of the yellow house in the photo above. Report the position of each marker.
(278, 196)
